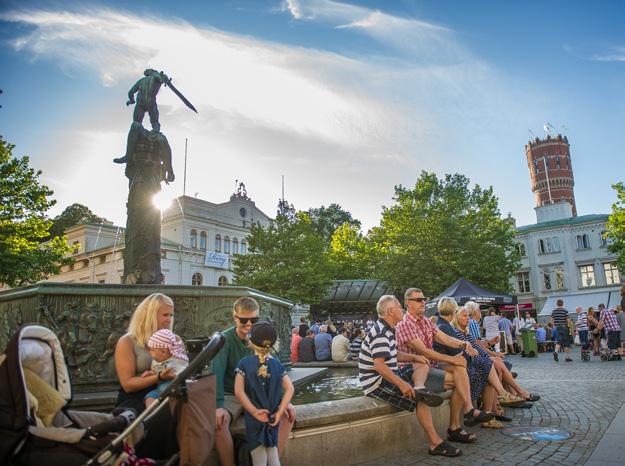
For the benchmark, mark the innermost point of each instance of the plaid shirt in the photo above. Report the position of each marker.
(609, 320)
(474, 329)
(411, 328)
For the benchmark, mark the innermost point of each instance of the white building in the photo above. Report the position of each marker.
(565, 257)
(198, 239)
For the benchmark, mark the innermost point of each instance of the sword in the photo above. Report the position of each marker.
(179, 94)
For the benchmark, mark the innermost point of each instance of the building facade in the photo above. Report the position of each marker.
(198, 240)
(563, 255)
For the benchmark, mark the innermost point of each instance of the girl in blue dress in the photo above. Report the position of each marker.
(264, 390)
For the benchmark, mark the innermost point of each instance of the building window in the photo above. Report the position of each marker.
(196, 280)
(541, 246)
(235, 246)
(547, 280)
(227, 244)
(603, 240)
(243, 247)
(521, 248)
(223, 281)
(193, 239)
(203, 240)
(558, 161)
(559, 278)
(76, 247)
(611, 273)
(548, 245)
(582, 241)
(217, 243)
(523, 279)
(587, 273)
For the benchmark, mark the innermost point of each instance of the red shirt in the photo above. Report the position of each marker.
(295, 339)
(411, 328)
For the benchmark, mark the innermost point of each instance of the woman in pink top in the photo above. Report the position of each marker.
(295, 339)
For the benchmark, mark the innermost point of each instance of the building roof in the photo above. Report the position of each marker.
(580, 220)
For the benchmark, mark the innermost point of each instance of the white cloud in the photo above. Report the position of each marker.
(338, 127)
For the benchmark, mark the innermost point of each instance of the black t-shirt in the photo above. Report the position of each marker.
(307, 350)
(303, 328)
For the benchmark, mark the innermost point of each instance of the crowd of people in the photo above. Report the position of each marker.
(328, 341)
(404, 358)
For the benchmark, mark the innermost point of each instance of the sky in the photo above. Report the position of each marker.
(345, 100)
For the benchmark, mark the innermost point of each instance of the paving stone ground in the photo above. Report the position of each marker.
(580, 397)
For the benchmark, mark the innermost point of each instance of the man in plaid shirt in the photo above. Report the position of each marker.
(607, 321)
(416, 334)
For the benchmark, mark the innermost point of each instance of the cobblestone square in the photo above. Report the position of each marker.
(580, 397)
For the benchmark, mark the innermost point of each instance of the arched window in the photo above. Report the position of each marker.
(235, 246)
(227, 244)
(193, 239)
(223, 281)
(217, 243)
(243, 247)
(203, 240)
(196, 280)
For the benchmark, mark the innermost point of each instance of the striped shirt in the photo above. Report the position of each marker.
(355, 348)
(379, 343)
(582, 321)
(609, 320)
(560, 317)
(474, 329)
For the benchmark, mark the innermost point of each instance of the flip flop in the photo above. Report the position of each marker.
(445, 449)
(533, 397)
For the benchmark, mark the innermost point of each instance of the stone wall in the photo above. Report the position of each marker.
(89, 319)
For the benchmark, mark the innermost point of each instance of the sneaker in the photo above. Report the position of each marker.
(555, 356)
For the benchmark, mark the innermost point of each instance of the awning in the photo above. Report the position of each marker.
(608, 297)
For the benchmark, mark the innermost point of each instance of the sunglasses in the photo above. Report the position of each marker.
(245, 320)
(418, 300)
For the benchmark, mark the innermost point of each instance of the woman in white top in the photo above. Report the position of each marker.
(491, 327)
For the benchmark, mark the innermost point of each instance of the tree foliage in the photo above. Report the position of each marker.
(442, 230)
(23, 223)
(74, 214)
(286, 259)
(616, 226)
(326, 220)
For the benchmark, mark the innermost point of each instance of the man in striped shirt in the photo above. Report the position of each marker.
(560, 320)
(381, 378)
(581, 327)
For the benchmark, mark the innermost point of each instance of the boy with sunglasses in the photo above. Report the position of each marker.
(245, 315)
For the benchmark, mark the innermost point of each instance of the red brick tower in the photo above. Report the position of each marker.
(551, 172)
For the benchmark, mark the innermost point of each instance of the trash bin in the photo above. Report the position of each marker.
(530, 347)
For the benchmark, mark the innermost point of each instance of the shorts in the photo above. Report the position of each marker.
(233, 406)
(564, 337)
(158, 391)
(390, 393)
(614, 339)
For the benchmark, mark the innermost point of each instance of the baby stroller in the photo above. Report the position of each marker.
(36, 426)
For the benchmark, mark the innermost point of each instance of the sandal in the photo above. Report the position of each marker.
(532, 397)
(445, 449)
(492, 424)
(461, 436)
(503, 418)
(429, 398)
(471, 420)
(510, 400)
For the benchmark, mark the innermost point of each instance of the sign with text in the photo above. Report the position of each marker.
(217, 259)
(511, 307)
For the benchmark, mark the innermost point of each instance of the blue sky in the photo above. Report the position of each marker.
(346, 100)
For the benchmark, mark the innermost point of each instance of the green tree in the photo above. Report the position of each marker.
(616, 226)
(23, 223)
(351, 255)
(74, 214)
(442, 230)
(285, 259)
(326, 220)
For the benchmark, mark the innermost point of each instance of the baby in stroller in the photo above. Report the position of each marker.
(167, 351)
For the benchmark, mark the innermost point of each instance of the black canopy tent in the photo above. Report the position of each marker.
(463, 290)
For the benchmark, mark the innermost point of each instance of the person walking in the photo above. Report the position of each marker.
(560, 319)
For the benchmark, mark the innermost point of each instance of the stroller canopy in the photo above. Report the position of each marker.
(463, 290)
